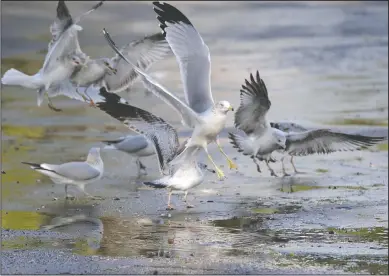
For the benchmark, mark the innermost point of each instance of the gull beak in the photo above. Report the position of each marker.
(212, 171)
(231, 108)
(282, 147)
(113, 70)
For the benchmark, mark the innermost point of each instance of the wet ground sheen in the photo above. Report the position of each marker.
(324, 63)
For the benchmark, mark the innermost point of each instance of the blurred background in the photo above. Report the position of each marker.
(324, 63)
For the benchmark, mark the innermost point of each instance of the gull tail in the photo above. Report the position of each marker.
(15, 77)
(241, 143)
(158, 184)
(35, 166)
(113, 142)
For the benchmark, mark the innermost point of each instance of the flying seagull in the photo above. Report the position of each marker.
(64, 56)
(199, 111)
(186, 175)
(117, 75)
(260, 138)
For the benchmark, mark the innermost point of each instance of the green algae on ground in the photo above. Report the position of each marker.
(372, 266)
(31, 132)
(267, 211)
(23, 243)
(377, 234)
(360, 121)
(26, 65)
(298, 188)
(321, 170)
(22, 220)
(383, 147)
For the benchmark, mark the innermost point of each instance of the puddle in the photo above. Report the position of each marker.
(234, 222)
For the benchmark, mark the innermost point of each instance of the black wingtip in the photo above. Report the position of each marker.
(169, 13)
(155, 185)
(35, 165)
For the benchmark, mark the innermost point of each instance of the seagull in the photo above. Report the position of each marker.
(199, 111)
(146, 51)
(114, 74)
(74, 173)
(187, 174)
(135, 145)
(250, 120)
(319, 141)
(93, 72)
(64, 56)
(260, 138)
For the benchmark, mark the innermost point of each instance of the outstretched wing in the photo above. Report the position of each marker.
(192, 55)
(145, 52)
(189, 116)
(64, 36)
(254, 105)
(324, 141)
(160, 133)
(288, 127)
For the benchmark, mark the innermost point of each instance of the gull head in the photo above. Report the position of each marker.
(94, 156)
(224, 107)
(77, 60)
(204, 167)
(109, 66)
(279, 139)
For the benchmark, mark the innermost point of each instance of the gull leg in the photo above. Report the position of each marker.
(230, 163)
(272, 173)
(256, 163)
(294, 167)
(283, 167)
(169, 206)
(219, 172)
(91, 102)
(142, 167)
(82, 188)
(50, 104)
(186, 201)
(138, 166)
(66, 193)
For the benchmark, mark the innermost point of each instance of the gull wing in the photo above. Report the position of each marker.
(192, 55)
(324, 141)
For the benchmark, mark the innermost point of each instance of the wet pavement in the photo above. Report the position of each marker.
(324, 63)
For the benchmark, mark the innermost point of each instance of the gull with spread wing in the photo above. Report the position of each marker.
(199, 111)
(64, 56)
(345, 141)
(188, 174)
(261, 138)
(115, 74)
(74, 173)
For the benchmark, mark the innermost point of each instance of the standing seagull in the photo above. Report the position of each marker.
(63, 57)
(74, 173)
(263, 139)
(199, 111)
(135, 145)
(165, 142)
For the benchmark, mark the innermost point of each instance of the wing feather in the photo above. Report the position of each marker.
(145, 52)
(189, 116)
(192, 55)
(323, 141)
(163, 136)
(254, 105)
